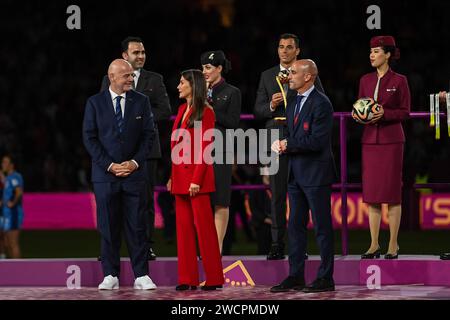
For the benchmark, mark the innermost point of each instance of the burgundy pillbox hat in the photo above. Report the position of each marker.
(382, 41)
(385, 41)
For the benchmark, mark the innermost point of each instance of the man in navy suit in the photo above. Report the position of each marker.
(311, 171)
(269, 107)
(118, 132)
(152, 85)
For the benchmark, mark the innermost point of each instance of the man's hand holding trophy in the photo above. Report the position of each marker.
(282, 79)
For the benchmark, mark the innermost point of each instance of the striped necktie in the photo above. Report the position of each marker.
(133, 85)
(119, 117)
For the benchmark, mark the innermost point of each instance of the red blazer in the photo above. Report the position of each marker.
(185, 170)
(394, 96)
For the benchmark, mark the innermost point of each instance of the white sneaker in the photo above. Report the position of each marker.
(109, 283)
(144, 283)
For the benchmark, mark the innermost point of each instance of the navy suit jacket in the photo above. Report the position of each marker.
(105, 144)
(152, 85)
(311, 159)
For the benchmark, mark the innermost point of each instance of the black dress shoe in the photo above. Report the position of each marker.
(276, 253)
(306, 256)
(445, 256)
(290, 283)
(151, 255)
(320, 285)
(99, 258)
(211, 288)
(391, 256)
(372, 255)
(183, 287)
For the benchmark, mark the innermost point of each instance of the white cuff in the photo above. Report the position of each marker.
(137, 166)
(270, 106)
(110, 166)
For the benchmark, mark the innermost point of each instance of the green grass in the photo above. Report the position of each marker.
(82, 244)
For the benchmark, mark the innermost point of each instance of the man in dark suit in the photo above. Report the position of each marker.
(118, 132)
(270, 107)
(151, 84)
(311, 171)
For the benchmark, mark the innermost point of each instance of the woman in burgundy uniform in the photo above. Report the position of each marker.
(383, 141)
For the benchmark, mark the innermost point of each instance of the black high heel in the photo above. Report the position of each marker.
(372, 255)
(183, 287)
(391, 256)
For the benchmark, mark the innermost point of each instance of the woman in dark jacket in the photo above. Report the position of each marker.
(226, 102)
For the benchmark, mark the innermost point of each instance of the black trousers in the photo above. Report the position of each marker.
(121, 206)
(152, 165)
(263, 239)
(278, 186)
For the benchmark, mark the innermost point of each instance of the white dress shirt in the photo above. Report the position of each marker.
(122, 107)
(305, 97)
(137, 74)
(122, 101)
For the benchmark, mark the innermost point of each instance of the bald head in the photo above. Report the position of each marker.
(120, 74)
(308, 66)
(119, 65)
(303, 74)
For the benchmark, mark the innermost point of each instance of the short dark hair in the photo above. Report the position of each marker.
(11, 158)
(291, 36)
(127, 40)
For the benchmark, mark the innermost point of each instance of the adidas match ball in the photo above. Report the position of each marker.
(364, 109)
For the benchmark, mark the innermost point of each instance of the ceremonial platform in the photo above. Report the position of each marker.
(239, 271)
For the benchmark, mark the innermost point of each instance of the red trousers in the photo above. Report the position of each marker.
(194, 215)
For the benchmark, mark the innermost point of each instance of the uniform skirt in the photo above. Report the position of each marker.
(222, 195)
(382, 167)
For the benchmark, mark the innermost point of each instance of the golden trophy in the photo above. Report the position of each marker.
(282, 78)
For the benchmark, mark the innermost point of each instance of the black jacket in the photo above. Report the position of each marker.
(268, 86)
(227, 107)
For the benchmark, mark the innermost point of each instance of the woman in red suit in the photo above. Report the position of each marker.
(192, 182)
(382, 142)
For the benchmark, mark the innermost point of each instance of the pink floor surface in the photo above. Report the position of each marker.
(394, 292)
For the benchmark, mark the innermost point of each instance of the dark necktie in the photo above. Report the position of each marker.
(119, 117)
(133, 84)
(297, 109)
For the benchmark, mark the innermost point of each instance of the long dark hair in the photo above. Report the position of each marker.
(197, 82)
